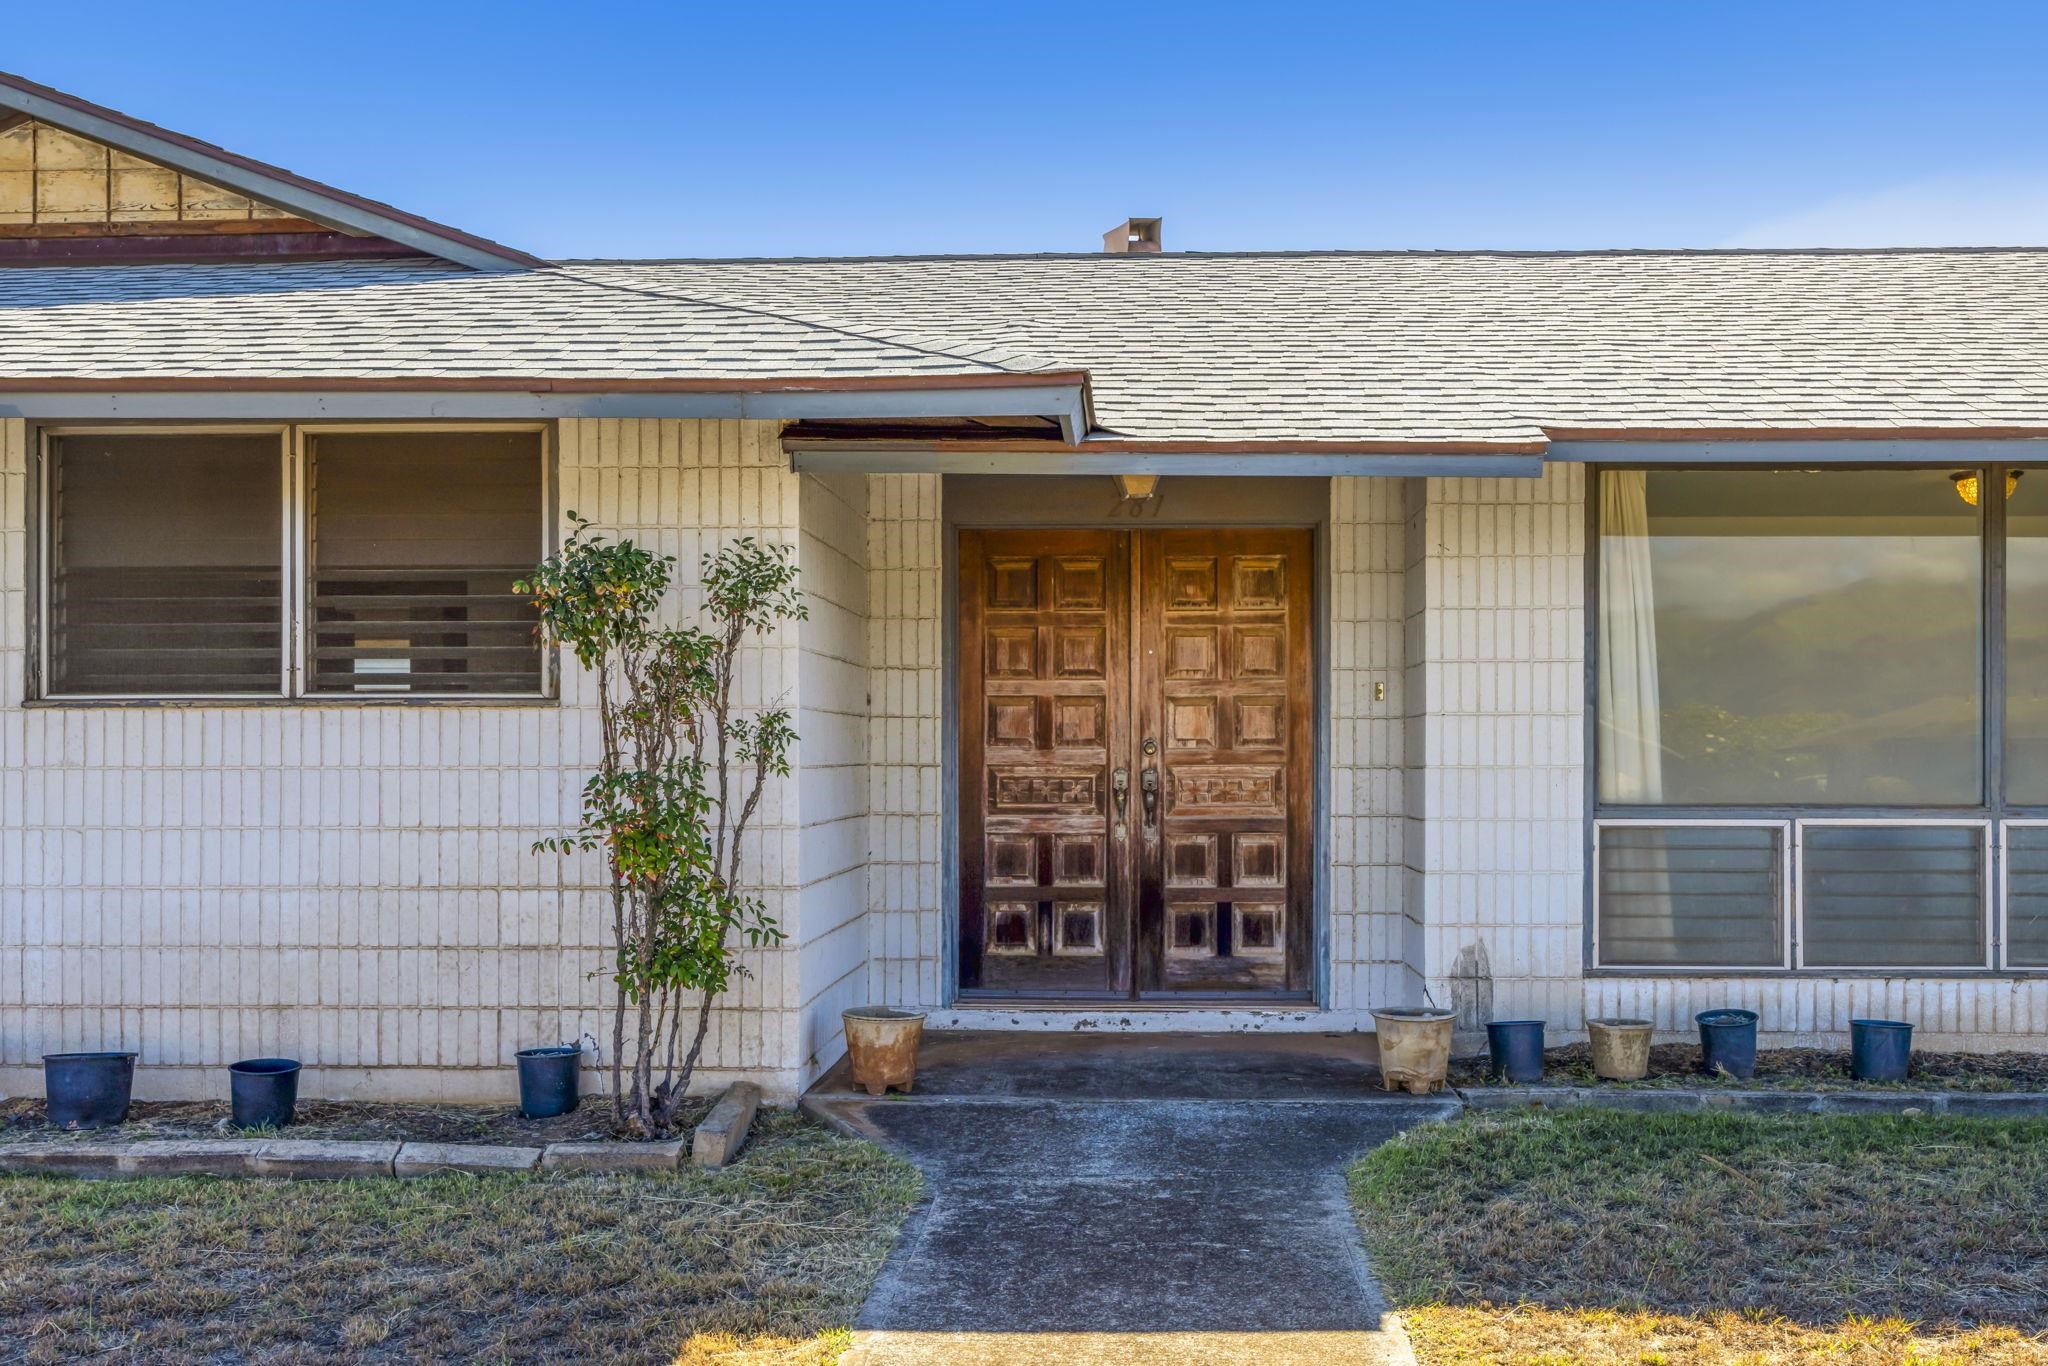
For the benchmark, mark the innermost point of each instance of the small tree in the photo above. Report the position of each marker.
(678, 781)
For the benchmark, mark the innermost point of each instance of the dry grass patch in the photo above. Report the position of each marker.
(1595, 1236)
(765, 1261)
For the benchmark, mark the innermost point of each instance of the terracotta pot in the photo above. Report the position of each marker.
(1621, 1049)
(882, 1044)
(1415, 1047)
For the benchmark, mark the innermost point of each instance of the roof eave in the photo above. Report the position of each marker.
(1060, 396)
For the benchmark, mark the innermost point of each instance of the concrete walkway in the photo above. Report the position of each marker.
(1129, 1199)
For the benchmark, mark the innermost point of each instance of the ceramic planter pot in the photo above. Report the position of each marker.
(1621, 1049)
(882, 1044)
(1415, 1047)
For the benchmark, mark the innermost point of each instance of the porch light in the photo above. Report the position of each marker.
(1136, 488)
(1966, 484)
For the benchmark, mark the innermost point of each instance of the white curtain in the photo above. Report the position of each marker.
(1631, 729)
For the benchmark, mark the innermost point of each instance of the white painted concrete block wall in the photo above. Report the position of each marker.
(1367, 837)
(354, 885)
(831, 928)
(1496, 666)
(1496, 633)
(906, 631)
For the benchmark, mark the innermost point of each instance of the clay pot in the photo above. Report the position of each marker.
(1415, 1047)
(882, 1044)
(1621, 1049)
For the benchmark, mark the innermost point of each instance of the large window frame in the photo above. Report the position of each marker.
(295, 683)
(1992, 812)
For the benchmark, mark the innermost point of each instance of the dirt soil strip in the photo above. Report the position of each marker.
(26, 1121)
(1792, 1069)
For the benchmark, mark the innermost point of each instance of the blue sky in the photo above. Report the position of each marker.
(790, 128)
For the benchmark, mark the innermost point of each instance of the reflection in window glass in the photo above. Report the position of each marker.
(1789, 636)
(2026, 639)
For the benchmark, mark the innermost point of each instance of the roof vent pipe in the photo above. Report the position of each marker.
(1133, 236)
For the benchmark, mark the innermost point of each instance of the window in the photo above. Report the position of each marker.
(2026, 894)
(1789, 636)
(415, 542)
(166, 565)
(2026, 637)
(1707, 895)
(172, 572)
(1892, 896)
(1808, 652)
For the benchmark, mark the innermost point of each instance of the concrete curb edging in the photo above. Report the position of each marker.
(717, 1140)
(1987, 1103)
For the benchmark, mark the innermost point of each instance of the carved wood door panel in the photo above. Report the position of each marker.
(1224, 689)
(1135, 765)
(1045, 681)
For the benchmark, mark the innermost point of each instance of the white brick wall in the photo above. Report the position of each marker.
(354, 885)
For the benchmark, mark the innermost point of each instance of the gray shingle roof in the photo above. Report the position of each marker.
(1341, 347)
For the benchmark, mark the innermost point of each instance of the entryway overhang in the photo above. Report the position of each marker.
(1305, 460)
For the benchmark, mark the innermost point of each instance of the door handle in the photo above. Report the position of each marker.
(1120, 784)
(1149, 783)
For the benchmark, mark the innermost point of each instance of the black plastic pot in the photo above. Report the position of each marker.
(1727, 1042)
(1516, 1048)
(1880, 1050)
(264, 1092)
(88, 1090)
(548, 1080)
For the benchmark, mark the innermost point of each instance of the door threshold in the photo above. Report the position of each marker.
(1290, 1004)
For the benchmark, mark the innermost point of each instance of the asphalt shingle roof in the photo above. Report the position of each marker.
(1339, 347)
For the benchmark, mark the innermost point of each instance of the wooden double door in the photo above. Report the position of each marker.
(1136, 775)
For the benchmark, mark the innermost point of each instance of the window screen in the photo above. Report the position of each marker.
(166, 557)
(2026, 896)
(416, 541)
(1691, 896)
(1893, 896)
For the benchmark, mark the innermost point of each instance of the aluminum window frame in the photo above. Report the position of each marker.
(1986, 910)
(2002, 928)
(1992, 810)
(46, 561)
(295, 564)
(1786, 932)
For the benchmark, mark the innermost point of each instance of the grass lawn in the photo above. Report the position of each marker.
(765, 1261)
(1604, 1237)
